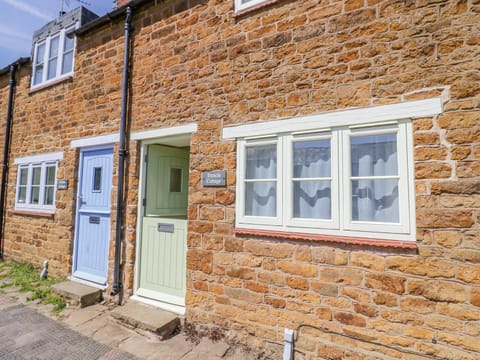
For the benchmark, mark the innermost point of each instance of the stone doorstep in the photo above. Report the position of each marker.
(78, 294)
(149, 318)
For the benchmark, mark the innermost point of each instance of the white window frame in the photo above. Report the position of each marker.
(239, 7)
(261, 220)
(291, 221)
(342, 125)
(46, 57)
(29, 163)
(405, 177)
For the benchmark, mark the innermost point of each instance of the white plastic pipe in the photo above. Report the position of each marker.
(288, 345)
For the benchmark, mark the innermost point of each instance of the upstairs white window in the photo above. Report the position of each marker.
(334, 174)
(36, 182)
(241, 5)
(53, 57)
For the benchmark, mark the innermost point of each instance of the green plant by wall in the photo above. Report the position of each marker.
(27, 278)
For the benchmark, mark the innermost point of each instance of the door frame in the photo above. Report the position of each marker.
(82, 150)
(162, 136)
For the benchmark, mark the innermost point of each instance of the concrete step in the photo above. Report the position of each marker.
(149, 318)
(78, 294)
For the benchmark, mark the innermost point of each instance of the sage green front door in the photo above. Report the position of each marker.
(162, 263)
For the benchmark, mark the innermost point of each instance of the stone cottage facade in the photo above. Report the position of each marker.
(310, 165)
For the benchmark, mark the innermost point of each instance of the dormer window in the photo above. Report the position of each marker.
(54, 47)
(53, 57)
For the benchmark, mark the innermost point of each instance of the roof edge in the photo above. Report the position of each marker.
(109, 17)
(19, 61)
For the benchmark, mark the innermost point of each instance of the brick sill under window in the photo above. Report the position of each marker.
(328, 238)
(49, 84)
(253, 8)
(39, 214)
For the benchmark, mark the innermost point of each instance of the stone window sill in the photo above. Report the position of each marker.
(253, 8)
(33, 214)
(401, 244)
(51, 83)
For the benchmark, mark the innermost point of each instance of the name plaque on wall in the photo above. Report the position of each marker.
(214, 178)
(62, 184)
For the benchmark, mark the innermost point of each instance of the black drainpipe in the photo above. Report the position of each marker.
(6, 151)
(122, 151)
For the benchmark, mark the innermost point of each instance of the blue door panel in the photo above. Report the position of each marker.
(93, 216)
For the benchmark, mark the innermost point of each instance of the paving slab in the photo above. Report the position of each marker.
(5, 280)
(139, 347)
(89, 328)
(78, 294)
(112, 334)
(11, 289)
(215, 348)
(82, 316)
(149, 318)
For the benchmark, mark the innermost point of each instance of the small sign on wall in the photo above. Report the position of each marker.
(62, 184)
(214, 178)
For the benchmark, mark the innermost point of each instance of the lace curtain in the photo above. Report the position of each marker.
(261, 196)
(311, 198)
(373, 198)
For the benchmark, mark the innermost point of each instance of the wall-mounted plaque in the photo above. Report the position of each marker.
(214, 178)
(62, 184)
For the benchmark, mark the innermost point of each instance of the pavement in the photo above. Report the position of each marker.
(30, 330)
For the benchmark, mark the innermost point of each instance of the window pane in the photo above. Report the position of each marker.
(261, 198)
(36, 171)
(35, 195)
(23, 176)
(49, 195)
(261, 162)
(38, 74)
(374, 155)
(68, 42)
(67, 64)
(375, 200)
(54, 47)
(40, 54)
(22, 194)
(50, 176)
(52, 68)
(97, 179)
(39, 60)
(311, 159)
(22, 188)
(312, 200)
(175, 180)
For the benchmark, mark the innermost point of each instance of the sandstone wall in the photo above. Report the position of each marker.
(193, 61)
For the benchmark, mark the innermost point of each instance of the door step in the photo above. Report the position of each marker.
(149, 318)
(78, 294)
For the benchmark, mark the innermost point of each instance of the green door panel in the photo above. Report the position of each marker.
(167, 181)
(163, 256)
(162, 261)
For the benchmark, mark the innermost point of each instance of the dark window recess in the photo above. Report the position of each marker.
(175, 180)
(97, 179)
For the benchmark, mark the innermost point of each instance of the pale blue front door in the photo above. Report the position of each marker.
(93, 216)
